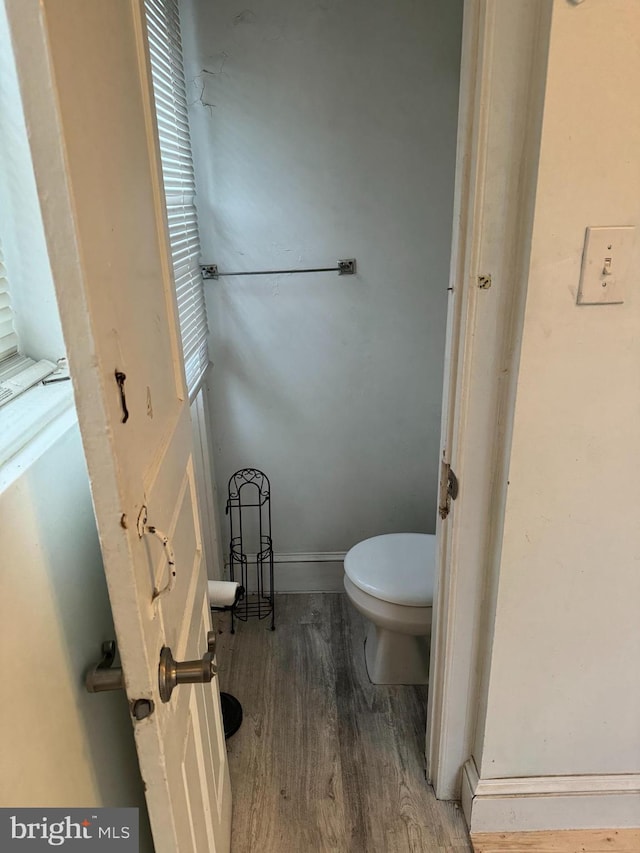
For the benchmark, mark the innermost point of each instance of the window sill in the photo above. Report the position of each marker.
(30, 424)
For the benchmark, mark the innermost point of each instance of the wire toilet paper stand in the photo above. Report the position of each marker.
(249, 511)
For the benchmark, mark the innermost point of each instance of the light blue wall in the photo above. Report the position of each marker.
(62, 746)
(323, 131)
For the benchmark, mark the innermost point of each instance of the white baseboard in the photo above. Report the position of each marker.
(535, 803)
(308, 572)
(321, 572)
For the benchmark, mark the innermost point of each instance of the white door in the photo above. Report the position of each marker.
(85, 81)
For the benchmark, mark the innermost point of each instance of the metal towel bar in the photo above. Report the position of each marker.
(344, 267)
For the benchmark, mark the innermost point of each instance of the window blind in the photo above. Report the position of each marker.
(8, 337)
(165, 48)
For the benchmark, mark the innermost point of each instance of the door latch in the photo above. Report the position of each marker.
(449, 488)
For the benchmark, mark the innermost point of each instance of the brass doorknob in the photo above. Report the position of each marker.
(171, 672)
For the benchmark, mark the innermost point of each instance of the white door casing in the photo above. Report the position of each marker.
(441, 770)
(85, 82)
(501, 96)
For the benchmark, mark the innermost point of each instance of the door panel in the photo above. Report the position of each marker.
(85, 82)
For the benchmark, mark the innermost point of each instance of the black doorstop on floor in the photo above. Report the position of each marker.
(231, 714)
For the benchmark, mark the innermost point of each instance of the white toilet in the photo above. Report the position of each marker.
(390, 580)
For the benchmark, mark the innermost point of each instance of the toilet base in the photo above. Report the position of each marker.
(394, 658)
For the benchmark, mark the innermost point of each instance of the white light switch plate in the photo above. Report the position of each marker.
(605, 262)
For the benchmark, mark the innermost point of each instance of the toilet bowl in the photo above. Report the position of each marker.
(390, 579)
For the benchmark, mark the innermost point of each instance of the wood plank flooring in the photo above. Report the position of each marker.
(324, 760)
(566, 841)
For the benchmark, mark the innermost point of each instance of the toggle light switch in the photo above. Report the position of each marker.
(605, 261)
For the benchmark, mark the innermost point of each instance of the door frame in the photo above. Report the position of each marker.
(503, 76)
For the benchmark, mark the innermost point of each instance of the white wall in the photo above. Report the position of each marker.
(563, 695)
(61, 745)
(324, 131)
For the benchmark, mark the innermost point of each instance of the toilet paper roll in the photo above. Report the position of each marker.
(222, 593)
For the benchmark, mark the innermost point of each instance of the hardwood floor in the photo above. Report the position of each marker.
(324, 760)
(566, 841)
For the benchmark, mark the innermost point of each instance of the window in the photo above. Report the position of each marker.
(17, 372)
(165, 48)
(30, 336)
(8, 337)
(28, 414)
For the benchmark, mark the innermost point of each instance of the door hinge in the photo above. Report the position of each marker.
(448, 489)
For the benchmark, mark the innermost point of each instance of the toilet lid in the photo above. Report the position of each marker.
(397, 567)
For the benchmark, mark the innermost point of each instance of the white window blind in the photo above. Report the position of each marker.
(8, 337)
(165, 47)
